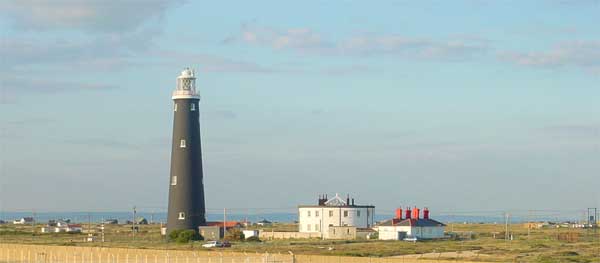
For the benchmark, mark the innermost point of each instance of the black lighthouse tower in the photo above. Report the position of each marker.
(186, 187)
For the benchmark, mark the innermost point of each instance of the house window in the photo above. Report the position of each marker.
(181, 215)
(175, 109)
(182, 144)
(346, 213)
(358, 213)
(308, 227)
(308, 213)
(174, 180)
(193, 107)
(316, 227)
(316, 213)
(330, 213)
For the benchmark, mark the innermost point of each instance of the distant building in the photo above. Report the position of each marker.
(264, 222)
(141, 221)
(73, 228)
(110, 222)
(61, 223)
(411, 227)
(228, 224)
(62, 227)
(23, 220)
(334, 212)
(48, 229)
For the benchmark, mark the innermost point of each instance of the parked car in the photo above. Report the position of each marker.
(210, 244)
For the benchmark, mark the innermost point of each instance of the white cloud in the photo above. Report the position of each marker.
(11, 87)
(91, 15)
(306, 40)
(580, 54)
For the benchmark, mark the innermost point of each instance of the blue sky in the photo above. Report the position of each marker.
(467, 105)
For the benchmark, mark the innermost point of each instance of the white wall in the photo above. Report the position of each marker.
(391, 232)
(320, 218)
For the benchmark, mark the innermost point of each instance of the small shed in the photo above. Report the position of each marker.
(250, 233)
(211, 232)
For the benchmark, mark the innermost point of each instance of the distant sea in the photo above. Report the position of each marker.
(84, 217)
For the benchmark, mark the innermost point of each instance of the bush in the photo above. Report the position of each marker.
(184, 236)
(173, 235)
(234, 234)
(374, 235)
(253, 239)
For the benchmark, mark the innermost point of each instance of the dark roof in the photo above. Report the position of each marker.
(329, 206)
(421, 222)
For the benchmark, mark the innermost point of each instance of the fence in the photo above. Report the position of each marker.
(18, 253)
(10, 253)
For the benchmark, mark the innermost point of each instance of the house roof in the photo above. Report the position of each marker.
(421, 222)
(74, 225)
(336, 201)
(220, 223)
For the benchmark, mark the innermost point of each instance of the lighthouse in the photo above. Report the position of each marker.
(186, 188)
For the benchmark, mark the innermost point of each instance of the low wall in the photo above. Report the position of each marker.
(266, 235)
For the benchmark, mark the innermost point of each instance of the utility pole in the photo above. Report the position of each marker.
(528, 224)
(102, 229)
(33, 225)
(133, 223)
(224, 221)
(506, 226)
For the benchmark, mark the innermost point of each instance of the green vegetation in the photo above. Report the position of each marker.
(253, 239)
(234, 234)
(184, 236)
(474, 242)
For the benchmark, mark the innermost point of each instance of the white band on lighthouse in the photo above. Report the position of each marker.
(186, 86)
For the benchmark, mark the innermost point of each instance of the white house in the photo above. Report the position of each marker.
(24, 220)
(412, 226)
(48, 229)
(68, 228)
(334, 212)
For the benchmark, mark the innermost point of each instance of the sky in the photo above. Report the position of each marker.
(468, 105)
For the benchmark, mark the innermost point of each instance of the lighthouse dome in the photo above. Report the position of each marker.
(187, 73)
